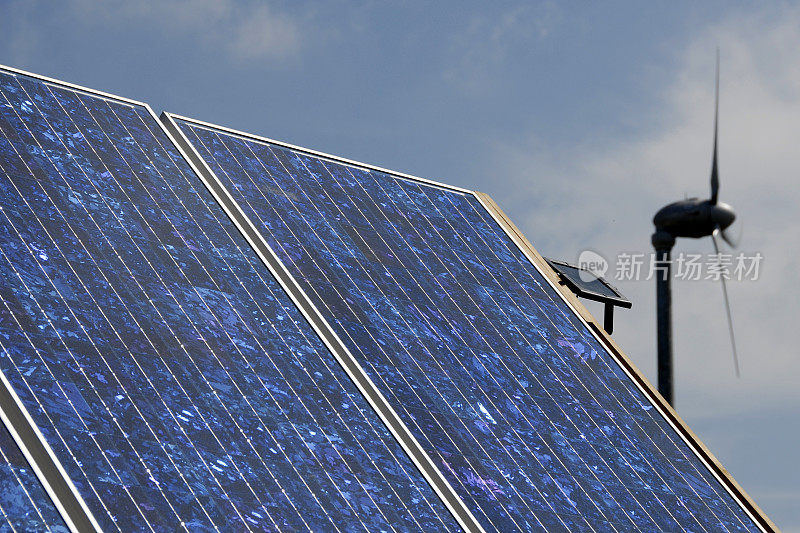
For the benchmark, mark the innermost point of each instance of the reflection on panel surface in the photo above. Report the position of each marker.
(524, 412)
(24, 504)
(169, 372)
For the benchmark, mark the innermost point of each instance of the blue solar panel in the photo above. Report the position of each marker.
(24, 504)
(166, 368)
(525, 413)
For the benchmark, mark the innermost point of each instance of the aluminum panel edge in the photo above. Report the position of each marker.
(325, 331)
(43, 462)
(72, 86)
(319, 154)
(695, 444)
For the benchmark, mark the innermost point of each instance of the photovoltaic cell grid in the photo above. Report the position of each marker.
(24, 504)
(169, 372)
(524, 412)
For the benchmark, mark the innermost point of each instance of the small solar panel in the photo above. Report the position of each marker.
(24, 504)
(526, 414)
(167, 369)
(587, 285)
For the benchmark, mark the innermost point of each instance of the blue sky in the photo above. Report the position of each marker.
(580, 120)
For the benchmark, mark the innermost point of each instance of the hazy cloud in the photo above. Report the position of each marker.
(263, 33)
(483, 49)
(245, 30)
(603, 195)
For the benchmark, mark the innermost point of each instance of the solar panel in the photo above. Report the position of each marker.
(587, 285)
(524, 411)
(166, 368)
(24, 505)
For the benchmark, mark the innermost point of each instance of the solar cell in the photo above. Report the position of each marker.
(24, 504)
(525, 412)
(170, 373)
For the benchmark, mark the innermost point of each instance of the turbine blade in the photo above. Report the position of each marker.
(714, 172)
(727, 307)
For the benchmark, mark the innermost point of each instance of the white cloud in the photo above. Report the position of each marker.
(604, 197)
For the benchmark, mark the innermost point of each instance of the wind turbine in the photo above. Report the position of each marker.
(694, 218)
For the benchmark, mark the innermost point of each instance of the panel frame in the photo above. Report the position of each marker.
(540, 264)
(40, 458)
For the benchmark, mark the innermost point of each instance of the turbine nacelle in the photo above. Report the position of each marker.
(694, 218)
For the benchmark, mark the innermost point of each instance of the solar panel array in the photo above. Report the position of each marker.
(172, 378)
(24, 504)
(169, 372)
(526, 414)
